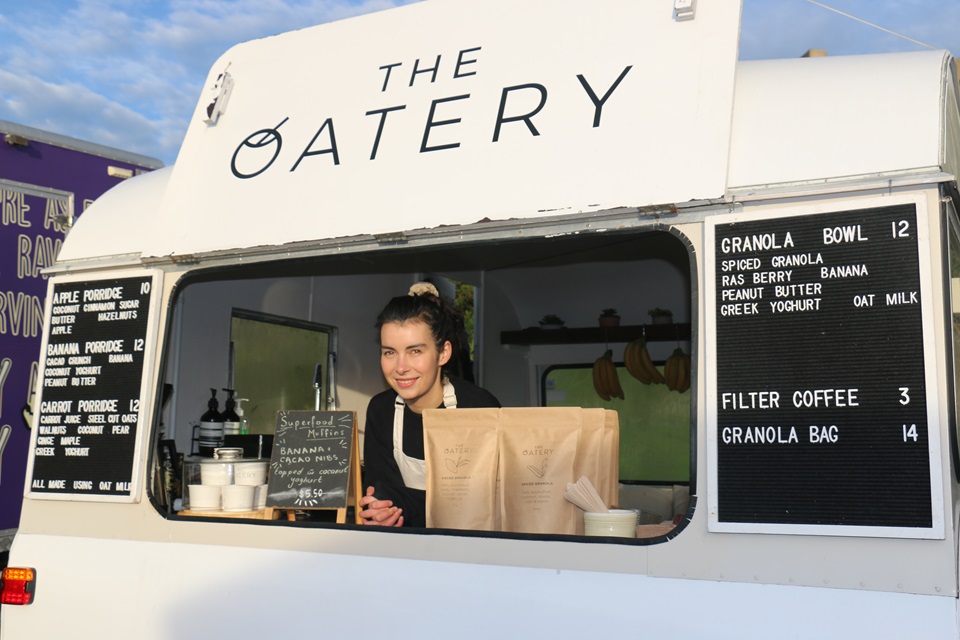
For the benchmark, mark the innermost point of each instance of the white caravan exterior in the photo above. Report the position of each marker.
(560, 159)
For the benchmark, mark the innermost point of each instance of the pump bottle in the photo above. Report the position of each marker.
(211, 426)
(231, 421)
(244, 428)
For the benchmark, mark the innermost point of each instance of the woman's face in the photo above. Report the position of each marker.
(411, 363)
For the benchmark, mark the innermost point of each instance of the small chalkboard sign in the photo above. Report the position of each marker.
(315, 461)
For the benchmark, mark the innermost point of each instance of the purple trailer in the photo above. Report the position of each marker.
(46, 182)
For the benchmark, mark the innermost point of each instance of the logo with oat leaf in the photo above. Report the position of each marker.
(454, 467)
(538, 471)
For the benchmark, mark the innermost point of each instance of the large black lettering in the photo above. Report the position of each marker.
(332, 149)
(383, 118)
(431, 124)
(386, 76)
(432, 71)
(258, 140)
(526, 117)
(461, 62)
(598, 102)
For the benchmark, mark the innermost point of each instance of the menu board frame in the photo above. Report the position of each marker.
(788, 523)
(144, 408)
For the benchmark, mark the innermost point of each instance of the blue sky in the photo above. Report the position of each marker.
(128, 74)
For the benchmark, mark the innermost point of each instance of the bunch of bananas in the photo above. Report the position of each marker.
(637, 360)
(677, 371)
(605, 380)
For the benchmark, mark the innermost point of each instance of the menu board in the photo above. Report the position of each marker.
(311, 460)
(90, 394)
(820, 398)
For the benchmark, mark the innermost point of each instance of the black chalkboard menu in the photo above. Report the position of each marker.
(89, 396)
(820, 393)
(310, 464)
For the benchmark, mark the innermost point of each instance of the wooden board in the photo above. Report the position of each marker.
(259, 514)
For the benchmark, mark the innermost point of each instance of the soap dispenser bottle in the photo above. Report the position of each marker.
(231, 421)
(244, 429)
(211, 426)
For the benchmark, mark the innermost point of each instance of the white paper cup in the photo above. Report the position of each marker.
(262, 496)
(204, 497)
(216, 473)
(252, 473)
(616, 523)
(238, 497)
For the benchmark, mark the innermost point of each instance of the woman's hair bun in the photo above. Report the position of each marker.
(423, 288)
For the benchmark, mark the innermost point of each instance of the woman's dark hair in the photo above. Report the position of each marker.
(425, 304)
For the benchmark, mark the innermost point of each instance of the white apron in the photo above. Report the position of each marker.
(414, 471)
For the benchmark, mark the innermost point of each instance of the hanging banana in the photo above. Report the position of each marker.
(612, 380)
(598, 382)
(655, 376)
(605, 380)
(633, 361)
(677, 371)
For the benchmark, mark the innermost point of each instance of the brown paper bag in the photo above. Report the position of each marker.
(460, 447)
(611, 454)
(538, 451)
(591, 459)
(506, 469)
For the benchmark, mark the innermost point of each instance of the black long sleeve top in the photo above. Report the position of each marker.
(380, 467)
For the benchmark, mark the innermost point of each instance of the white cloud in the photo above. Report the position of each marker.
(129, 75)
(74, 110)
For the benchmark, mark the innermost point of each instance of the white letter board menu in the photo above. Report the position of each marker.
(821, 412)
(96, 348)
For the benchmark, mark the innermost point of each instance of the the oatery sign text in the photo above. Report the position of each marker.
(332, 133)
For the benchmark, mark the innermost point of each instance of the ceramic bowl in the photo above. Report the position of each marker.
(216, 473)
(253, 472)
(239, 497)
(204, 497)
(262, 496)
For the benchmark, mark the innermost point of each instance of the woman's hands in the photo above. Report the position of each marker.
(379, 512)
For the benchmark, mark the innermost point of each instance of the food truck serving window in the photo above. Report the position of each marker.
(307, 466)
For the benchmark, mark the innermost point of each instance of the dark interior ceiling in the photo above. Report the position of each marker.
(496, 255)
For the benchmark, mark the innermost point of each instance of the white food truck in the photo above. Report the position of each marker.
(797, 217)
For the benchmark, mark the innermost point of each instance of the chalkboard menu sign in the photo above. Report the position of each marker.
(310, 467)
(90, 388)
(820, 399)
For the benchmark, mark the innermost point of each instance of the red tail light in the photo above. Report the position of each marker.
(17, 585)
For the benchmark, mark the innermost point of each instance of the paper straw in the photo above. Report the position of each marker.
(583, 494)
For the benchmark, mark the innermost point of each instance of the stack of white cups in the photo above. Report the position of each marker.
(229, 483)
